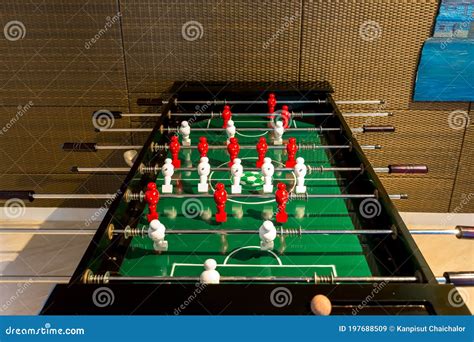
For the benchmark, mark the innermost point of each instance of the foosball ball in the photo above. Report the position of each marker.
(252, 198)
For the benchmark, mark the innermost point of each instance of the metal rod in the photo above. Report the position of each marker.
(216, 115)
(118, 147)
(297, 197)
(140, 114)
(224, 279)
(39, 279)
(302, 196)
(74, 196)
(382, 169)
(43, 231)
(102, 130)
(34, 279)
(270, 147)
(434, 231)
(297, 231)
(292, 114)
(381, 114)
(152, 169)
(230, 102)
(282, 232)
(217, 102)
(368, 102)
(217, 147)
(101, 169)
(249, 129)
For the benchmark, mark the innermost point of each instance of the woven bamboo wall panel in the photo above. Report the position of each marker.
(57, 183)
(241, 40)
(462, 200)
(421, 137)
(51, 64)
(31, 143)
(366, 49)
(425, 194)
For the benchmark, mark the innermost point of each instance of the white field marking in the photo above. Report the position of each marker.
(250, 121)
(208, 123)
(197, 179)
(251, 247)
(251, 135)
(277, 179)
(178, 264)
(251, 203)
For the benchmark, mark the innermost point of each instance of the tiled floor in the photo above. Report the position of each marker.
(59, 255)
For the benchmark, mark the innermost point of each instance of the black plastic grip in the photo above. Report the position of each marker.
(80, 147)
(115, 113)
(21, 194)
(465, 232)
(408, 168)
(375, 129)
(149, 102)
(464, 278)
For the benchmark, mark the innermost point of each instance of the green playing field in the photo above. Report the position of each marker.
(240, 255)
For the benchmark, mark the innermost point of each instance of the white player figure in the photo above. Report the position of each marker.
(187, 162)
(230, 130)
(300, 171)
(268, 170)
(278, 131)
(210, 275)
(267, 212)
(167, 170)
(170, 212)
(156, 232)
(237, 211)
(277, 158)
(185, 131)
(300, 211)
(206, 214)
(237, 171)
(204, 169)
(267, 233)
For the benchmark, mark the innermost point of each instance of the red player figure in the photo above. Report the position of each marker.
(285, 116)
(226, 115)
(291, 149)
(174, 149)
(152, 196)
(271, 103)
(203, 146)
(262, 148)
(233, 148)
(220, 197)
(281, 197)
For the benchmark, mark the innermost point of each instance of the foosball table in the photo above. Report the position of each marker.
(253, 198)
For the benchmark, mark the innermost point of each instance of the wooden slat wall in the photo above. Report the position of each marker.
(462, 200)
(144, 52)
(64, 81)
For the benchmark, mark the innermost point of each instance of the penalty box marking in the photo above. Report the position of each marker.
(200, 266)
(280, 264)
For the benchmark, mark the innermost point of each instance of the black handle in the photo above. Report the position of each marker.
(465, 232)
(408, 168)
(80, 147)
(464, 278)
(149, 102)
(115, 113)
(374, 129)
(21, 194)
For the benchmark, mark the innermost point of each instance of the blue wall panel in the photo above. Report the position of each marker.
(446, 70)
